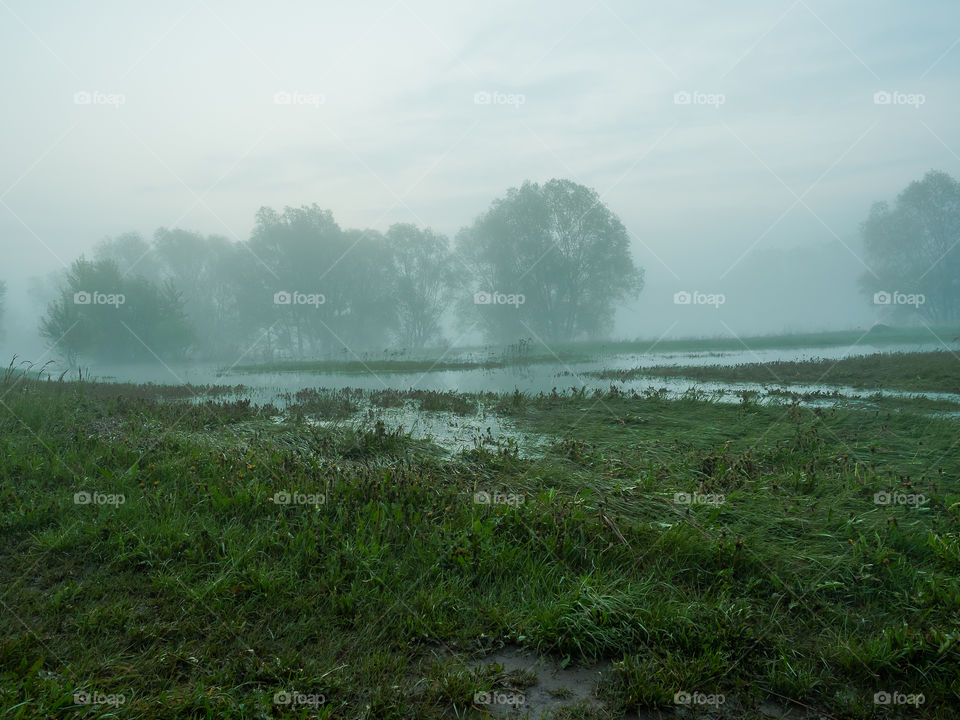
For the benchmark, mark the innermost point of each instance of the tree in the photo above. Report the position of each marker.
(913, 249)
(367, 314)
(204, 271)
(101, 314)
(550, 259)
(422, 273)
(314, 287)
(131, 254)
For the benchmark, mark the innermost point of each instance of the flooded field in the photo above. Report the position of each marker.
(475, 425)
(268, 387)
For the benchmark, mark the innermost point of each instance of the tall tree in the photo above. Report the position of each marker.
(318, 288)
(101, 314)
(423, 274)
(551, 259)
(203, 270)
(913, 248)
(131, 253)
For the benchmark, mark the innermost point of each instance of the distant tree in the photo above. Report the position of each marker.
(367, 310)
(312, 287)
(204, 270)
(292, 253)
(559, 247)
(422, 277)
(131, 254)
(913, 248)
(101, 314)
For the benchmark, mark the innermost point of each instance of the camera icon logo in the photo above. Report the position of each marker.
(882, 698)
(682, 698)
(81, 298)
(482, 298)
(81, 498)
(481, 498)
(681, 298)
(882, 498)
(682, 98)
(882, 97)
(882, 298)
(282, 298)
(281, 498)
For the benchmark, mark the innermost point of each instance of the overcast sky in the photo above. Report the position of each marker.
(126, 116)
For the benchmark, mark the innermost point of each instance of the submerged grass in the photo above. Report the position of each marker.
(937, 371)
(699, 546)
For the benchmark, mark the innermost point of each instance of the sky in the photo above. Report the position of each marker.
(741, 143)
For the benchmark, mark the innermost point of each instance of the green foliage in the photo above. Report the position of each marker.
(561, 248)
(104, 314)
(423, 278)
(912, 248)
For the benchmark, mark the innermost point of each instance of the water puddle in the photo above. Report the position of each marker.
(527, 685)
(452, 432)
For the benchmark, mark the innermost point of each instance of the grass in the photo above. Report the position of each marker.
(202, 595)
(937, 371)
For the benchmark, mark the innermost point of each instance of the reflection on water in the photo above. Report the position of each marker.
(262, 388)
(451, 431)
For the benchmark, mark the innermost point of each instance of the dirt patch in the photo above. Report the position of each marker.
(550, 687)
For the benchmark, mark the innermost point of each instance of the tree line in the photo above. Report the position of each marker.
(549, 260)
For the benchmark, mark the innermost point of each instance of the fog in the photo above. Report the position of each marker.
(419, 359)
(740, 147)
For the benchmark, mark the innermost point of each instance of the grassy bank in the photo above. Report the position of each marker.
(204, 594)
(912, 372)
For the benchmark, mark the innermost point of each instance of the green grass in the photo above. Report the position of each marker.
(199, 596)
(937, 371)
